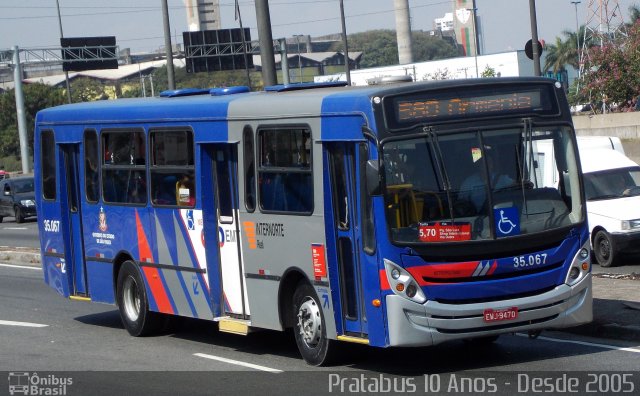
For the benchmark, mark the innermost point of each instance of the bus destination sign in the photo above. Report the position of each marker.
(427, 108)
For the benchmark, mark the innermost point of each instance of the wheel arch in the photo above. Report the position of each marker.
(595, 231)
(290, 279)
(119, 259)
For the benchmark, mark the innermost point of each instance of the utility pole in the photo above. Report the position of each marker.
(347, 68)
(403, 32)
(66, 73)
(266, 43)
(20, 111)
(167, 45)
(534, 38)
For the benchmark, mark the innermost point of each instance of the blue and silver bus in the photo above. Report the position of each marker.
(405, 214)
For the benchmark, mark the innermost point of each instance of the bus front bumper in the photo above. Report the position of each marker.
(431, 323)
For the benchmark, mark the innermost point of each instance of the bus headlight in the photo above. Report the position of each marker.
(402, 283)
(580, 266)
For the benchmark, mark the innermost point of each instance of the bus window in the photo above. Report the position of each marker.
(284, 177)
(48, 161)
(123, 167)
(250, 170)
(172, 168)
(92, 188)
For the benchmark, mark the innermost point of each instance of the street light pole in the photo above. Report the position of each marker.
(167, 45)
(575, 3)
(475, 37)
(66, 73)
(344, 42)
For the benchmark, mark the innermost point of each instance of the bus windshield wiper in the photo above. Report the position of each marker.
(442, 169)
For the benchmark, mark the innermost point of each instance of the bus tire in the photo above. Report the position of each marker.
(133, 303)
(309, 326)
(604, 249)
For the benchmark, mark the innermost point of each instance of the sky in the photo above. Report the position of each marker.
(137, 24)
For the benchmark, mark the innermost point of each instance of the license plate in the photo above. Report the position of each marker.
(497, 315)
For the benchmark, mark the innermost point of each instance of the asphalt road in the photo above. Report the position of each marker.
(19, 235)
(76, 337)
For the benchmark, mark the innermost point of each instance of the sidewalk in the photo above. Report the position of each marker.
(616, 299)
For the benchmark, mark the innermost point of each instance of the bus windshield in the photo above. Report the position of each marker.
(486, 184)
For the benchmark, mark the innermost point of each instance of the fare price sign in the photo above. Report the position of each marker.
(444, 231)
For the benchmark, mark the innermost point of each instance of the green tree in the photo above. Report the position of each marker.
(564, 51)
(85, 89)
(488, 72)
(612, 74)
(36, 97)
(380, 47)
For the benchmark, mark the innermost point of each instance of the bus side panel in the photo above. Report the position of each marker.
(100, 278)
(177, 242)
(50, 228)
(273, 245)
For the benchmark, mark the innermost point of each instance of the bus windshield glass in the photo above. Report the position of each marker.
(482, 185)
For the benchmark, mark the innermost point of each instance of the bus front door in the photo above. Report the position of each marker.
(344, 185)
(222, 181)
(70, 189)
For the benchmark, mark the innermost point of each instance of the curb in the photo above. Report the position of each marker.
(21, 256)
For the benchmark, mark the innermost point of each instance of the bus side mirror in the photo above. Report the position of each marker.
(373, 177)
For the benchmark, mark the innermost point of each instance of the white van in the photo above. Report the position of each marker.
(613, 210)
(612, 189)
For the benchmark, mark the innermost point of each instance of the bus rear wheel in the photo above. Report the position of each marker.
(309, 327)
(133, 303)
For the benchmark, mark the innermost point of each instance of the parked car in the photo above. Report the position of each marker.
(4, 174)
(612, 189)
(17, 198)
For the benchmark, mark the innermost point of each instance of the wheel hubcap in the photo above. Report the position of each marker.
(604, 248)
(131, 299)
(310, 322)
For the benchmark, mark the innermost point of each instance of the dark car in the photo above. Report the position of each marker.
(17, 198)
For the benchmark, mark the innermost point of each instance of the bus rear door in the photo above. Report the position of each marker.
(70, 198)
(221, 180)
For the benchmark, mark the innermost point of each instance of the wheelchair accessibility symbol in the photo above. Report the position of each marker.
(507, 221)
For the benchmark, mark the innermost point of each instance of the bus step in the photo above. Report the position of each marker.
(80, 298)
(356, 340)
(232, 325)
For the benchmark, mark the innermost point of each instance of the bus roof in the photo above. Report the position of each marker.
(205, 106)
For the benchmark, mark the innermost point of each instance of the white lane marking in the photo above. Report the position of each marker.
(238, 363)
(15, 228)
(605, 346)
(21, 266)
(21, 324)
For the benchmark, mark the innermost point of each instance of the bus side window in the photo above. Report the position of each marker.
(123, 171)
(285, 178)
(48, 161)
(92, 188)
(171, 163)
(250, 170)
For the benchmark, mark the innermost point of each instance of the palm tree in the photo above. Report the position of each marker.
(565, 52)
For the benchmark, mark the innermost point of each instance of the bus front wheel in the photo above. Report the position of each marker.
(133, 304)
(309, 327)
